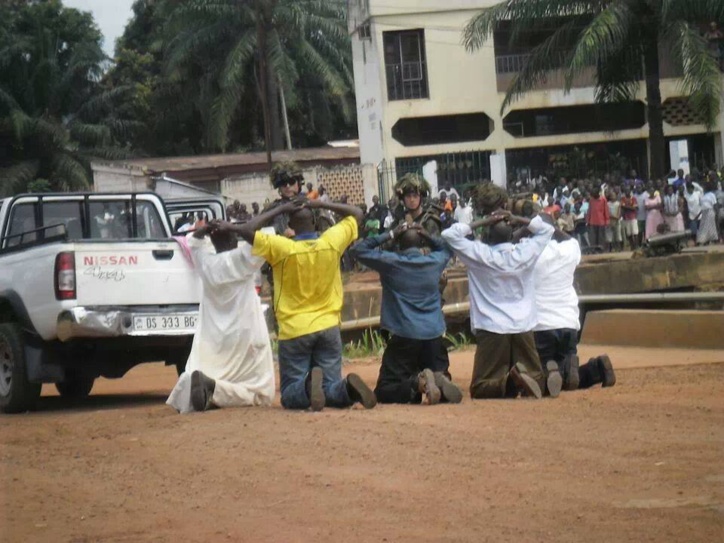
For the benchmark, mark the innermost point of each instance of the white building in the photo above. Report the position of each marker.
(421, 97)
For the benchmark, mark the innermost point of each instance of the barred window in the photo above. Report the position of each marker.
(405, 65)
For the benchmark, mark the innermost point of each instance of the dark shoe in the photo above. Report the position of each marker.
(427, 386)
(605, 368)
(360, 392)
(202, 390)
(315, 390)
(448, 390)
(525, 383)
(573, 379)
(554, 382)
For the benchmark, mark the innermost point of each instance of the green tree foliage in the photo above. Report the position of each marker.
(54, 115)
(622, 41)
(168, 109)
(301, 44)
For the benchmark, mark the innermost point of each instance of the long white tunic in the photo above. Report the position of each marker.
(231, 344)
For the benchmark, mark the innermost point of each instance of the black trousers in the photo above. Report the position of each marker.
(403, 360)
(558, 346)
(590, 374)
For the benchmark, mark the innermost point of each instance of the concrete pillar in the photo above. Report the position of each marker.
(371, 184)
(719, 139)
(498, 169)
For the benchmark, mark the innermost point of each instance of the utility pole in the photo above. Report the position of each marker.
(285, 116)
(261, 38)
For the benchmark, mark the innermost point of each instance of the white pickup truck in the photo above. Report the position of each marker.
(90, 285)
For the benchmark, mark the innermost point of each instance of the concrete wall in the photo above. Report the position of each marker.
(684, 271)
(655, 328)
(108, 178)
(358, 182)
(248, 189)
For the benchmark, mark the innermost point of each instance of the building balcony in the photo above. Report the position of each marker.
(507, 66)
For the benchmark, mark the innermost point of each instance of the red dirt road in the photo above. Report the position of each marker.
(643, 461)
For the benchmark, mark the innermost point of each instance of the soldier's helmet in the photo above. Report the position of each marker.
(412, 182)
(488, 197)
(283, 173)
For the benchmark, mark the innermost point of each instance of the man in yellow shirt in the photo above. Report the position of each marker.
(308, 301)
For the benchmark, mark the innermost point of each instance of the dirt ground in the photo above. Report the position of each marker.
(643, 461)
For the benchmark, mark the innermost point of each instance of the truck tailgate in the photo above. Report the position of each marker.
(134, 273)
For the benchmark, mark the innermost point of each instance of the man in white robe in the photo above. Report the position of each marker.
(231, 362)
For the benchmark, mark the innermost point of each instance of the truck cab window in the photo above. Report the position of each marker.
(114, 220)
(110, 220)
(68, 214)
(149, 222)
(22, 219)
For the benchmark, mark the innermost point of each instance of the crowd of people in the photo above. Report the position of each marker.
(614, 215)
(603, 215)
(524, 308)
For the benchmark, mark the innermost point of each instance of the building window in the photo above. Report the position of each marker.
(405, 65)
(442, 129)
(365, 31)
(552, 121)
(457, 169)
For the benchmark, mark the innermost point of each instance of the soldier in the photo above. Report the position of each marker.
(412, 190)
(287, 179)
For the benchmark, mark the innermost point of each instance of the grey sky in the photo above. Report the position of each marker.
(111, 17)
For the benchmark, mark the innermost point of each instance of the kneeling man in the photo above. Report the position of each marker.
(502, 303)
(556, 334)
(308, 298)
(410, 315)
(231, 358)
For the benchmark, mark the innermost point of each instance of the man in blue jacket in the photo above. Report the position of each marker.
(410, 315)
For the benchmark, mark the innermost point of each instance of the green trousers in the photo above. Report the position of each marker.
(495, 355)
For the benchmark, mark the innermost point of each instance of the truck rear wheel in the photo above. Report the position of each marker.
(17, 394)
(75, 387)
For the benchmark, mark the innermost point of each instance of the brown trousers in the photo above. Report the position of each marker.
(495, 355)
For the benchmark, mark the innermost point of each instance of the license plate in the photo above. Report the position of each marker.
(164, 323)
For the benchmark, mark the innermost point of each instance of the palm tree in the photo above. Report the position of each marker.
(51, 104)
(261, 49)
(622, 40)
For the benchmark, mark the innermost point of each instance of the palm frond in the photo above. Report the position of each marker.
(186, 44)
(702, 78)
(603, 37)
(619, 78)
(550, 55)
(7, 101)
(69, 173)
(693, 11)
(15, 178)
(334, 83)
(525, 14)
(236, 69)
(104, 101)
(90, 134)
(482, 26)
